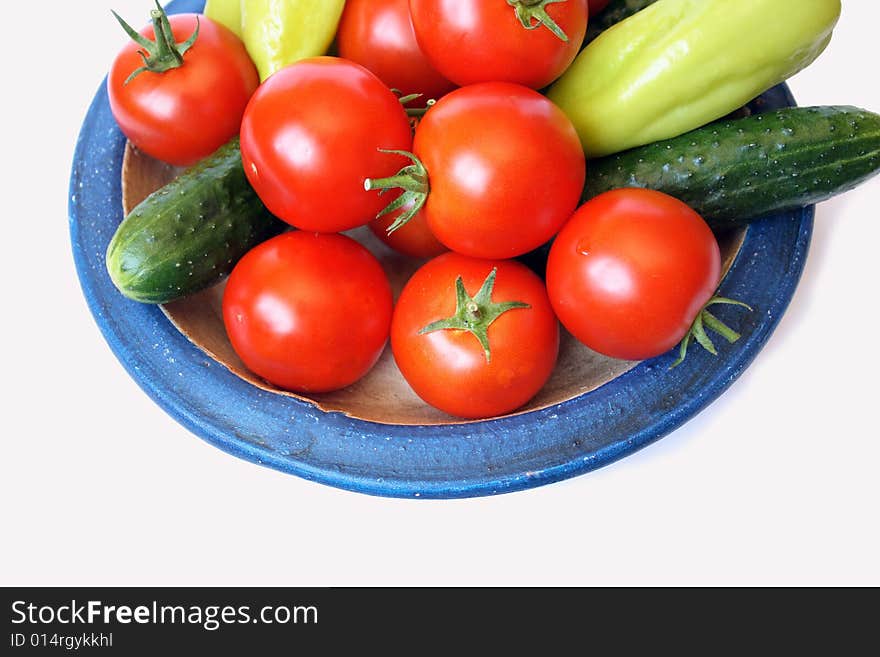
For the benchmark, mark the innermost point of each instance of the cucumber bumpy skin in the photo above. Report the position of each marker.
(188, 235)
(734, 171)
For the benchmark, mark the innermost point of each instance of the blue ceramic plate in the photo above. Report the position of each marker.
(437, 461)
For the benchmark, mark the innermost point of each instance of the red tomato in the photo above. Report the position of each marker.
(308, 312)
(597, 5)
(629, 273)
(312, 134)
(505, 169)
(449, 367)
(414, 239)
(184, 114)
(378, 34)
(472, 41)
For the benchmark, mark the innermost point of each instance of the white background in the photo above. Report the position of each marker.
(776, 483)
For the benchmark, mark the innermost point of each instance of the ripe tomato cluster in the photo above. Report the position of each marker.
(489, 172)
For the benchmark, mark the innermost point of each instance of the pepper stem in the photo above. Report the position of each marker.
(413, 180)
(475, 314)
(532, 14)
(164, 53)
(705, 320)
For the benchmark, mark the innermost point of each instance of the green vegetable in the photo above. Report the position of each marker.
(679, 64)
(189, 235)
(280, 32)
(733, 171)
(616, 11)
(225, 12)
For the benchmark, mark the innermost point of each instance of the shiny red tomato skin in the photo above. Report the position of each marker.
(506, 169)
(308, 312)
(378, 34)
(312, 135)
(471, 41)
(413, 239)
(185, 114)
(630, 271)
(448, 368)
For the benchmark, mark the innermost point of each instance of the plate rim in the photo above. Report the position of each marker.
(474, 443)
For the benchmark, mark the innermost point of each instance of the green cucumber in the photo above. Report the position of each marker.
(616, 11)
(189, 235)
(733, 171)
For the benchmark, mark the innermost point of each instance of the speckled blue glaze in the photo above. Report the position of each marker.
(462, 460)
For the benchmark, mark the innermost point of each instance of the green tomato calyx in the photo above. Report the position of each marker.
(414, 112)
(532, 14)
(475, 314)
(164, 53)
(705, 320)
(413, 180)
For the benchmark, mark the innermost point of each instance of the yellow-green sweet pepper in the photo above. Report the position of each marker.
(680, 64)
(225, 12)
(281, 32)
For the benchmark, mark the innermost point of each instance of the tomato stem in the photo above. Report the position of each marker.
(405, 99)
(475, 314)
(532, 14)
(413, 180)
(164, 53)
(413, 112)
(419, 112)
(705, 320)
